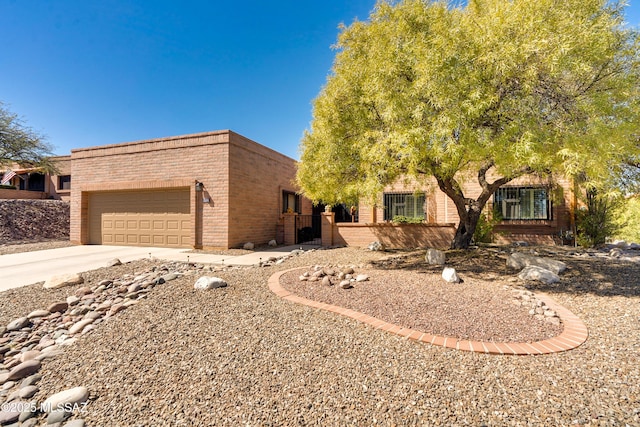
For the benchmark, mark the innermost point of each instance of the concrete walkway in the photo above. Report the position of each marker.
(30, 267)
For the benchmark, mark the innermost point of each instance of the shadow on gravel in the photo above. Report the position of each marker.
(597, 276)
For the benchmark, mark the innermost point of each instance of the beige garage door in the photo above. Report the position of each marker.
(140, 218)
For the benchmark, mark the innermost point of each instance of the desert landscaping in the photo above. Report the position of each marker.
(141, 346)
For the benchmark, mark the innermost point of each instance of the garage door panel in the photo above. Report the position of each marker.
(160, 218)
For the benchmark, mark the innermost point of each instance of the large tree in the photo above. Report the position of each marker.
(22, 145)
(491, 91)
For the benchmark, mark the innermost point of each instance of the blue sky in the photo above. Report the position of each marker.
(88, 73)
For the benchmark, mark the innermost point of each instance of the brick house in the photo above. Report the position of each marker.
(207, 190)
(33, 183)
(529, 208)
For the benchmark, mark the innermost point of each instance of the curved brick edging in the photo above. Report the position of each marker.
(574, 334)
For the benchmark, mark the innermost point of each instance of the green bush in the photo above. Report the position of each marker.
(484, 228)
(7, 187)
(400, 219)
(595, 222)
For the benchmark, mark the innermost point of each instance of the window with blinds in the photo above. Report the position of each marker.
(410, 205)
(524, 203)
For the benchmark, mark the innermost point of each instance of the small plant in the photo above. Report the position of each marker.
(401, 219)
(484, 229)
(595, 221)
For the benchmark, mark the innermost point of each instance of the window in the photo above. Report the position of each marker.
(522, 203)
(64, 182)
(290, 202)
(410, 205)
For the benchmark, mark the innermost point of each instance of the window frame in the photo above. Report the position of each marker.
(62, 179)
(505, 195)
(297, 208)
(391, 203)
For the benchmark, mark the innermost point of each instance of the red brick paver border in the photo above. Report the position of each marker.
(574, 334)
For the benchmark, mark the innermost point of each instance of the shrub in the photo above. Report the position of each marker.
(400, 219)
(484, 228)
(595, 221)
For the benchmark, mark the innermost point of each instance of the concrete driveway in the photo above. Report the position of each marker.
(30, 267)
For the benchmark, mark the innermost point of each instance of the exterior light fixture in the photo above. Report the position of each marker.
(199, 186)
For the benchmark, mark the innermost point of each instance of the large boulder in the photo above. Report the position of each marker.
(63, 280)
(435, 257)
(518, 260)
(534, 272)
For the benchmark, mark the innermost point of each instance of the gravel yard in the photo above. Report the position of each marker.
(242, 356)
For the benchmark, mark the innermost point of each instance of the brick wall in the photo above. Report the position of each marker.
(173, 162)
(6, 193)
(257, 178)
(394, 235)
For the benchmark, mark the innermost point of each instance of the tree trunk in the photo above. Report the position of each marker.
(466, 228)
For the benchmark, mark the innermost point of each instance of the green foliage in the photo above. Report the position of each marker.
(401, 219)
(596, 221)
(21, 144)
(7, 187)
(484, 229)
(627, 218)
(493, 89)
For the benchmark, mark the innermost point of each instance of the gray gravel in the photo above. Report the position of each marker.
(242, 356)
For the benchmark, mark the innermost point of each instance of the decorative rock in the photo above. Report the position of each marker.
(616, 253)
(348, 270)
(273, 243)
(78, 327)
(57, 416)
(17, 324)
(24, 369)
(93, 315)
(449, 274)
(346, 284)
(540, 274)
(518, 260)
(376, 246)
(72, 300)
(30, 380)
(114, 262)
(362, 278)
(11, 413)
(248, 246)
(63, 280)
(70, 397)
(27, 416)
(326, 281)
(82, 291)
(29, 355)
(171, 276)
(58, 307)
(75, 423)
(206, 282)
(435, 257)
(38, 313)
(27, 392)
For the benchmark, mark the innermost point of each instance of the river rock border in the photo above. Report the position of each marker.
(575, 332)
